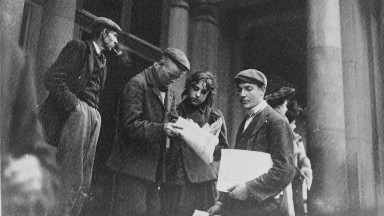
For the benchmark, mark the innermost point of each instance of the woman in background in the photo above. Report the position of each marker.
(279, 99)
(301, 160)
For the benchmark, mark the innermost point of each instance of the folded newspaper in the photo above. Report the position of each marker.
(202, 140)
(239, 166)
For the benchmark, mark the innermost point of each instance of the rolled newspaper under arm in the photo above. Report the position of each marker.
(199, 139)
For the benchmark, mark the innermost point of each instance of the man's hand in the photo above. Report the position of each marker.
(170, 129)
(215, 209)
(24, 176)
(308, 176)
(239, 191)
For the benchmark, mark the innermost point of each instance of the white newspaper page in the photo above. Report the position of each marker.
(239, 166)
(199, 139)
(200, 213)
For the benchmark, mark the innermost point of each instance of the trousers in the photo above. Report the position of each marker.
(75, 156)
(135, 197)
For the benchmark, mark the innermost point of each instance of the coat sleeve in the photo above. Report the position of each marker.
(223, 142)
(56, 79)
(283, 169)
(134, 115)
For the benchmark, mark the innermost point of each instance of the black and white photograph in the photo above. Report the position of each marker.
(192, 107)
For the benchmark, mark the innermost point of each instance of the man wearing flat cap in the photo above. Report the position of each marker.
(144, 126)
(264, 130)
(70, 115)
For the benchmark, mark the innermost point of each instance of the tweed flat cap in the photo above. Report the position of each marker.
(107, 23)
(178, 57)
(251, 76)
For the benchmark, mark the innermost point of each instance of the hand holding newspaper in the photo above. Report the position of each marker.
(202, 140)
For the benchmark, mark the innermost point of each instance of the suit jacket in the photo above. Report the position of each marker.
(64, 80)
(139, 149)
(268, 132)
(197, 170)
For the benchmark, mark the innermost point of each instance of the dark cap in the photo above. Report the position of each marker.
(251, 76)
(107, 23)
(178, 57)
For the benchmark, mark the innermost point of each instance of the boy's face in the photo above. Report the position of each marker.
(198, 93)
(250, 95)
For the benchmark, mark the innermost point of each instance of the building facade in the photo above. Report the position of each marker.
(331, 50)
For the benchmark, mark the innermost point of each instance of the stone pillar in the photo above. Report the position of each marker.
(205, 39)
(56, 30)
(11, 15)
(236, 113)
(178, 35)
(359, 107)
(378, 47)
(326, 123)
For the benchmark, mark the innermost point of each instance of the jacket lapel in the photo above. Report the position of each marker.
(168, 99)
(90, 57)
(257, 122)
(149, 73)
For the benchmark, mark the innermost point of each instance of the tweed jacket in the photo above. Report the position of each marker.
(268, 132)
(197, 170)
(64, 80)
(140, 147)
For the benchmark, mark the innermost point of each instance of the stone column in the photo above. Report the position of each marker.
(11, 16)
(178, 35)
(359, 107)
(236, 112)
(205, 39)
(326, 123)
(379, 80)
(56, 30)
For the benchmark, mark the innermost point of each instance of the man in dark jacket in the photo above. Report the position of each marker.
(70, 113)
(145, 126)
(266, 131)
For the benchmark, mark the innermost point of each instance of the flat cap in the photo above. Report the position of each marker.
(178, 57)
(251, 76)
(107, 23)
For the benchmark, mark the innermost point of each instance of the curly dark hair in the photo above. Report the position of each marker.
(294, 110)
(209, 81)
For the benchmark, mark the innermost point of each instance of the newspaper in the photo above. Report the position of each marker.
(202, 140)
(239, 166)
(200, 213)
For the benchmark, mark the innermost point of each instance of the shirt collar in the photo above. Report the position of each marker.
(97, 48)
(261, 106)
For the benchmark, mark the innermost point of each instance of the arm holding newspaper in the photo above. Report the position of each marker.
(283, 169)
(274, 138)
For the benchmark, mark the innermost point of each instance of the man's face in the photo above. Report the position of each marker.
(169, 72)
(293, 125)
(198, 93)
(283, 107)
(250, 94)
(110, 39)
